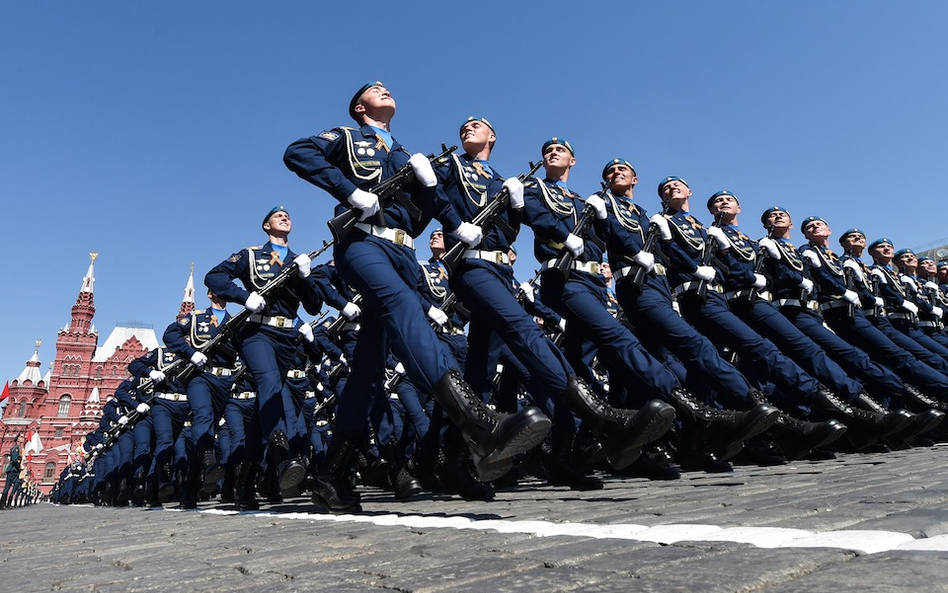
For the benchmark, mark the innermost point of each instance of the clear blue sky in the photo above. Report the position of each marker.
(153, 133)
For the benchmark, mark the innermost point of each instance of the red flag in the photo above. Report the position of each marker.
(6, 392)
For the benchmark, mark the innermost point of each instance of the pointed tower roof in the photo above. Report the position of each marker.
(32, 371)
(84, 308)
(187, 302)
(88, 281)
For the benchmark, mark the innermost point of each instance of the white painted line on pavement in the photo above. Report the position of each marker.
(864, 541)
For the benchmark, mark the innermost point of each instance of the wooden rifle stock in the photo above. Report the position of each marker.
(485, 219)
(342, 224)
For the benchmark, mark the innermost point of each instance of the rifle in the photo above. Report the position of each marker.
(342, 224)
(709, 248)
(638, 278)
(849, 277)
(564, 262)
(485, 219)
(339, 323)
(759, 263)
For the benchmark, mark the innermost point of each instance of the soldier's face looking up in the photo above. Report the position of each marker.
(621, 178)
(675, 194)
(725, 204)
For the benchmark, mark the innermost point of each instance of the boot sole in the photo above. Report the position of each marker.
(796, 450)
(292, 476)
(625, 454)
(527, 436)
(321, 502)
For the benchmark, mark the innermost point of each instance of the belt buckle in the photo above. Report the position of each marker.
(281, 321)
(659, 269)
(399, 237)
(499, 257)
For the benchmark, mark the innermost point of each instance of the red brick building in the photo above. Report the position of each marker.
(65, 404)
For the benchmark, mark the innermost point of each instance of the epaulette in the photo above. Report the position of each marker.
(197, 311)
(255, 247)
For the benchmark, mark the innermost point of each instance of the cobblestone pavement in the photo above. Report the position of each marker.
(863, 523)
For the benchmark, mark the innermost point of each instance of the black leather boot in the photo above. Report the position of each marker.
(491, 437)
(334, 489)
(245, 490)
(725, 431)
(623, 432)
(456, 473)
(562, 469)
(404, 484)
(289, 472)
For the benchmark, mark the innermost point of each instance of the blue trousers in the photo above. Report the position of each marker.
(759, 357)
(650, 311)
(168, 418)
(860, 332)
(393, 318)
(582, 302)
(207, 396)
(269, 356)
(763, 317)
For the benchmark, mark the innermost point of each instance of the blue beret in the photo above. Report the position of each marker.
(723, 192)
(902, 252)
(810, 220)
(943, 264)
(615, 162)
(879, 242)
(922, 258)
(471, 118)
(435, 232)
(852, 231)
(358, 95)
(560, 141)
(669, 179)
(771, 210)
(273, 211)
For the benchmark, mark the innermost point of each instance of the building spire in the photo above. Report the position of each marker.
(89, 280)
(187, 302)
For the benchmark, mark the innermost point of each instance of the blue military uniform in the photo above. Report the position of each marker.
(377, 259)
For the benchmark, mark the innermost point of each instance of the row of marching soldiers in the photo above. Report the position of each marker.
(664, 344)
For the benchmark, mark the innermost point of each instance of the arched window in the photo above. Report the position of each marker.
(64, 402)
(22, 412)
(98, 372)
(49, 472)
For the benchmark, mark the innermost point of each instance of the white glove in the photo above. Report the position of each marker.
(807, 285)
(771, 246)
(351, 311)
(142, 408)
(662, 223)
(399, 368)
(99, 446)
(599, 205)
(720, 237)
(937, 312)
(562, 324)
(812, 257)
(644, 259)
(908, 280)
(760, 281)
(705, 273)
(437, 315)
(123, 420)
(305, 264)
(910, 307)
(931, 285)
(856, 268)
(156, 376)
(307, 332)
(880, 302)
(199, 358)
(365, 201)
(469, 234)
(423, 171)
(574, 244)
(527, 289)
(342, 359)
(255, 302)
(515, 187)
(853, 297)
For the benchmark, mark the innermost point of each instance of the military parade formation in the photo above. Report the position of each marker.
(645, 345)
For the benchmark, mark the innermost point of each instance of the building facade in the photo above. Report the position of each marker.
(65, 404)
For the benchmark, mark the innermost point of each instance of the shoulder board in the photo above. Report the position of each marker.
(197, 312)
(255, 248)
(329, 135)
